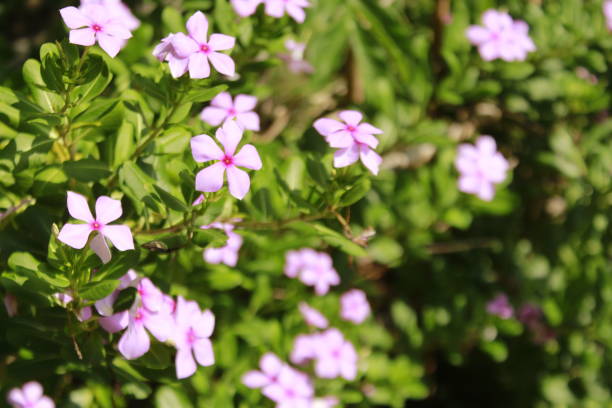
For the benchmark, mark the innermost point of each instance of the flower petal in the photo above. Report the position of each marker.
(213, 116)
(221, 42)
(238, 182)
(75, 235)
(368, 129)
(44, 402)
(229, 135)
(185, 364)
(245, 8)
(223, 100)
(78, 207)
(204, 324)
(107, 209)
(275, 8)
(16, 397)
(135, 341)
(73, 17)
(270, 364)
(347, 156)
(245, 103)
(351, 117)
(160, 325)
(222, 63)
(204, 148)
(112, 45)
(210, 179)
(104, 306)
(248, 120)
(255, 379)
(340, 139)
(327, 126)
(119, 235)
(178, 66)
(198, 66)
(296, 12)
(183, 46)
(197, 26)
(100, 247)
(117, 30)
(370, 159)
(32, 391)
(116, 322)
(203, 351)
(367, 139)
(248, 157)
(477, 35)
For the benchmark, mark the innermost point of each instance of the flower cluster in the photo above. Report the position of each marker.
(227, 254)
(501, 37)
(312, 268)
(273, 8)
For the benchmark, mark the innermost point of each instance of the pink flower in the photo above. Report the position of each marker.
(304, 348)
(199, 200)
(65, 298)
(500, 306)
(501, 37)
(104, 306)
(245, 8)
(354, 140)
(354, 306)
(93, 22)
(107, 210)
(223, 109)
(295, 8)
(194, 51)
(607, 7)
(312, 316)
(270, 366)
(30, 395)
(325, 402)
(10, 303)
(117, 11)
(210, 179)
(295, 59)
(192, 337)
(312, 268)
(292, 389)
(334, 356)
(480, 167)
(227, 254)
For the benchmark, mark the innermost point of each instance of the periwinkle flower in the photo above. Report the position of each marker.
(107, 210)
(227, 254)
(312, 316)
(355, 140)
(480, 167)
(354, 306)
(93, 22)
(499, 306)
(294, 8)
(30, 395)
(312, 268)
(222, 109)
(210, 179)
(501, 37)
(118, 11)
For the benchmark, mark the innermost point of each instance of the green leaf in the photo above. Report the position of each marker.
(222, 278)
(171, 201)
(331, 237)
(47, 100)
(118, 266)
(51, 70)
(87, 170)
(98, 290)
(138, 185)
(172, 20)
(204, 95)
(171, 397)
(180, 113)
(210, 237)
(357, 192)
(49, 181)
(96, 78)
(125, 300)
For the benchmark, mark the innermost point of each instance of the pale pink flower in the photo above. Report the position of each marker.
(93, 22)
(223, 109)
(304, 348)
(607, 7)
(199, 200)
(227, 254)
(292, 389)
(295, 58)
(312, 268)
(107, 210)
(30, 395)
(354, 306)
(480, 167)
(118, 11)
(312, 316)
(245, 8)
(194, 51)
(104, 306)
(354, 140)
(325, 402)
(210, 179)
(10, 303)
(336, 357)
(270, 366)
(500, 306)
(191, 337)
(501, 37)
(295, 8)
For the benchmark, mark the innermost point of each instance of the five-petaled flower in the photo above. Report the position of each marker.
(210, 179)
(91, 23)
(117, 11)
(312, 268)
(107, 210)
(227, 254)
(354, 306)
(295, 8)
(334, 356)
(30, 395)
(354, 140)
(223, 109)
(480, 167)
(245, 8)
(501, 37)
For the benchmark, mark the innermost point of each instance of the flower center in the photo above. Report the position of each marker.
(96, 28)
(205, 48)
(191, 336)
(228, 160)
(351, 128)
(96, 225)
(138, 316)
(231, 112)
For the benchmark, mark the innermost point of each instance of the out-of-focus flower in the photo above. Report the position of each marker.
(93, 22)
(312, 268)
(501, 37)
(223, 109)
(607, 7)
(334, 356)
(529, 314)
(295, 8)
(292, 389)
(480, 167)
(354, 306)
(10, 303)
(107, 210)
(245, 8)
(227, 254)
(500, 306)
(354, 140)
(295, 58)
(117, 11)
(199, 200)
(312, 316)
(325, 402)
(270, 366)
(304, 348)
(66, 297)
(191, 337)
(30, 395)
(210, 179)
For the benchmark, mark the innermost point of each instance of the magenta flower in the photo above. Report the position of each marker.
(117, 11)
(10, 303)
(91, 23)
(194, 51)
(354, 140)
(312, 316)
(500, 306)
(501, 37)
(336, 357)
(270, 366)
(245, 8)
(480, 167)
(312, 268)
(295, 8)
(107, 210)
(210, 179)
(607, 7)
(354, 306)
(192, 337)
(30, 395)
(223, 109)
(227, 254)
